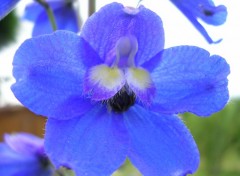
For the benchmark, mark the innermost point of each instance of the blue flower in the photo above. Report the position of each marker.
(113, 92)
(6, 7)
(22, 154)
(64, 13)
(206, 11)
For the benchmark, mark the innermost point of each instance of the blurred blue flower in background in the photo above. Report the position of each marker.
(204, 10)
(64, 13)
(22, 154)
(113, 92)
(6, 7)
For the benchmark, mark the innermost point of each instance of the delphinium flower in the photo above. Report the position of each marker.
(64, 13)
(22, 154)
(6, 6)
(204, 10)
(113, 92)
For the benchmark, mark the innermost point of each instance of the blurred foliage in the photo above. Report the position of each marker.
(8, 29)
(62, 171)
(127, 170)
(218, 139)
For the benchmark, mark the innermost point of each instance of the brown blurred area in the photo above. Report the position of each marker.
(19, 119)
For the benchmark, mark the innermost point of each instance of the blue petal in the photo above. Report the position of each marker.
(6, 6)
(214, 15)
(104, 28)
(160, 144)
(49, 73)
(13, 163)
(24, 143)
(94, 144)
(201, 29)
(32, 11)
(65, 17)
(204, 9)
(187, 78)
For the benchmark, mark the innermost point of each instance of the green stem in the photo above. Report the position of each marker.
(79, 19)
(49, 13)
(139, 3)
(92, 7)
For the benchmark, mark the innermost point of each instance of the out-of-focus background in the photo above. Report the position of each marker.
(218, 136)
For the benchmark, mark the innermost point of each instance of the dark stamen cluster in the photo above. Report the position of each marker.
(208, 12)
(45, 163)
(122, 101)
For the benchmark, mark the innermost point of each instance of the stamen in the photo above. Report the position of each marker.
(126, 47)
(121, 101)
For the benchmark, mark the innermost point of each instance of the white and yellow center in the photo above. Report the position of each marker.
(114, 77)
